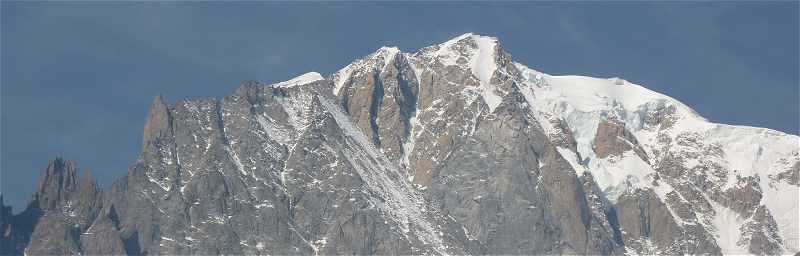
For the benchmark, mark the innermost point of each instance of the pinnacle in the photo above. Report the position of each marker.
(157, 121)
(59, 179)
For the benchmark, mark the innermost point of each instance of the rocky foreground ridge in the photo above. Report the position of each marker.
(453, 149)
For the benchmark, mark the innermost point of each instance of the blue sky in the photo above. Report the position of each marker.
(77, 78)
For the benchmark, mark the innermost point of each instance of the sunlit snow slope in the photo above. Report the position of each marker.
(736, 151)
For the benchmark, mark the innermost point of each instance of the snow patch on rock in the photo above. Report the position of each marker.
(306, 78)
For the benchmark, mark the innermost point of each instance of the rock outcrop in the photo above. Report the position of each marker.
(613, 139)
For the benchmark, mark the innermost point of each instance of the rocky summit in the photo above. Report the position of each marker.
(453, 149)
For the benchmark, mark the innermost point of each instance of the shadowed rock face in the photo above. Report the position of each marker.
(56, 184)
(61, 208)
(647, 226)
(761, 233)
(381, 98)
(443, 151)
(791, 174)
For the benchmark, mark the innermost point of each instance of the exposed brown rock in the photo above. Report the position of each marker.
(158, 121)
(612, 139)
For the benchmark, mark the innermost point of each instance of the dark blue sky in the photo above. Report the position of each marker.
(77, 78)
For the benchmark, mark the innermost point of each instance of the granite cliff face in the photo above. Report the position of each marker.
(453, 149)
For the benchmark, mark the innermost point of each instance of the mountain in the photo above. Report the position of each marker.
(453, 149)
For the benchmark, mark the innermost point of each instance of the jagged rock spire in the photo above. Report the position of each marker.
(57, 181)
(158, 121)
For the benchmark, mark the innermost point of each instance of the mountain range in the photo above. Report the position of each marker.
(453, 149)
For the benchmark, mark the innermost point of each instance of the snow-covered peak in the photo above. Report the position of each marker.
(306, 78)
(468, 35)
(584, 101)
(387, 54)
(608, 97)
(667, 129)
(459, 38)
(594, 94)
(379, 59)
(474, 52)
(483, 66)
(479, 51)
